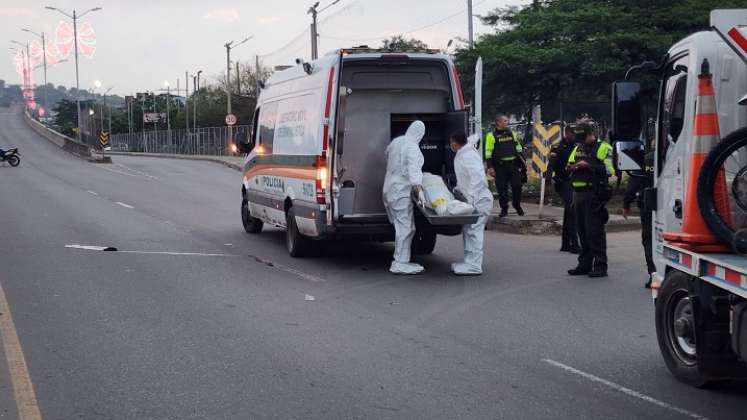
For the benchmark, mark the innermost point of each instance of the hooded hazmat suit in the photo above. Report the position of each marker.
(404, 170)
(473, 185)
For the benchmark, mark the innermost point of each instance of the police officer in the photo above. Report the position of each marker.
(638, 182)
(503, 153)
(590, 166)
(562, 181)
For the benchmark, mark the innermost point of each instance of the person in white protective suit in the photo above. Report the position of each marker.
(473, 185)
(404, 171)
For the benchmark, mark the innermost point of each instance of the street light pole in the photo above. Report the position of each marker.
(470, 25)
(75, 17)
(314, 32)
(229, 46)
(44, 57)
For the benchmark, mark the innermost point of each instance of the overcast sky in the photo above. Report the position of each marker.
(139, 44)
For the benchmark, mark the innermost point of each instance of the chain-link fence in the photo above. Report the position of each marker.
(215, 141)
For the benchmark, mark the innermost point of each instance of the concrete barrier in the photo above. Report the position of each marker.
(60, 140)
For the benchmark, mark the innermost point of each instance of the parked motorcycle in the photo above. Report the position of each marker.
(12, 157)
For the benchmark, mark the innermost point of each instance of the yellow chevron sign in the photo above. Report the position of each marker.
(542, 140)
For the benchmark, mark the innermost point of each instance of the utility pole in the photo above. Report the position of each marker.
(314, 28)
(238, 78)
(186, 99)
(75, 18)
(470, 25)
(194, 103)
(257, 76)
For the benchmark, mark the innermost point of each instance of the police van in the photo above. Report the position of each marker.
(316, 163)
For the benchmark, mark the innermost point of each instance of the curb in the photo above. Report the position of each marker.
(184, 157)
(535, 226)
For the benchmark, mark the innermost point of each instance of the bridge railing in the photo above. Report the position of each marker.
(211, 141)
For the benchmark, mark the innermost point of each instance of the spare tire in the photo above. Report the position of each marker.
(709, 172)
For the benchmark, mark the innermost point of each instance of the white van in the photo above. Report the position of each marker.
(316, 163)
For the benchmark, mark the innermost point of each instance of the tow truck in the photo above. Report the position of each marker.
(699, 197)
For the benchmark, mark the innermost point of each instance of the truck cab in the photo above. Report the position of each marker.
(700, 292)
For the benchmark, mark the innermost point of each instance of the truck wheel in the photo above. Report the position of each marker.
(299, 246)
(251, 224)
(675, 330)
(424, 242)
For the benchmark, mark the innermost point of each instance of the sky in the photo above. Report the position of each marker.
(136, 45)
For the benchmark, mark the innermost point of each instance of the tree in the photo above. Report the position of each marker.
(66, 118)
(572, 50)
(398, 42)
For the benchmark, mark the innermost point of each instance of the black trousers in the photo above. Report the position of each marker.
(591, 217)
(507, 173)
(646, 240)
(569, 236)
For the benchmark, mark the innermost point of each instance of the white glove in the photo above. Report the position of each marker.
(421, 198)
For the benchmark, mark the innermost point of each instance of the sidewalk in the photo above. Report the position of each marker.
(551, 222)
(233, 162)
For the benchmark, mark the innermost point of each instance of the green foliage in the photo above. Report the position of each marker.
(66, 118)
(574, 49)
(399, 42)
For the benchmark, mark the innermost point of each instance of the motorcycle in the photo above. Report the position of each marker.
(12, 157)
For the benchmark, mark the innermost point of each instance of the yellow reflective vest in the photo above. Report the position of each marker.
(600, 159)
(505, 150)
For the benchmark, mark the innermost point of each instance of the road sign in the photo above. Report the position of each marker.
(542, 140)
(104, 138)
(154, 117)
(230, 119)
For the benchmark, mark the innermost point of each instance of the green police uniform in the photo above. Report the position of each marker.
(590, 195)
(502, 151)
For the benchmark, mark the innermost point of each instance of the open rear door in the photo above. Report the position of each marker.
(731, 24)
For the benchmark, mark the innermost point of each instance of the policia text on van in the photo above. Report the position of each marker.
(316, 161)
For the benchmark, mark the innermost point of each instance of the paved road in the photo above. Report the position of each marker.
(235, 334)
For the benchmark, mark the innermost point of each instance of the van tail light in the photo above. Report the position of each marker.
(322, 179)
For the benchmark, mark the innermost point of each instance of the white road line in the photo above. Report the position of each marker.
(189, 254)
(624, 390)
(114, 171)
(125, 205)
(88, 247)
(287, 269)
(92, 192)
(141, 173)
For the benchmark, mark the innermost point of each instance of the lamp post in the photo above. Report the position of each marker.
(26, 65)
(44, 57)
(75, 18)
(229, 46)
(314, 33)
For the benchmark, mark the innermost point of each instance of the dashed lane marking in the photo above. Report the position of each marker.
(624, 390)
(125, 205)
(23, 389)
(92, 192)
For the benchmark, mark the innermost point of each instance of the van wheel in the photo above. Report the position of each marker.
(299, 246)
(675, 330)
(424, 242)
(251, 224)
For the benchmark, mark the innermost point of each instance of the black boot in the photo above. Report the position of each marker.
(579, 271)
(519, 210)
(598, 271)
(575, 250)
(504, 213)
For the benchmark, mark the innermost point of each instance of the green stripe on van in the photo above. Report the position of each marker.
(287, 160)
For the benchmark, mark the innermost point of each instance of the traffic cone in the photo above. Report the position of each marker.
(706, 135)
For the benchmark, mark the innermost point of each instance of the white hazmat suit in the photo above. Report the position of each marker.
(473, 185)
(404, 170)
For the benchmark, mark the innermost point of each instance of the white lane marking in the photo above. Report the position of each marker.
(88, 247)
(127, 168)
(115, 171)
(309, 298)
(624, 390)
(189, 254)
(108, 248)
(92, 192)
(287, 269)
(125, 205)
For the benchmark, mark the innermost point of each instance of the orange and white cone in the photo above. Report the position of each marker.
(706, 135)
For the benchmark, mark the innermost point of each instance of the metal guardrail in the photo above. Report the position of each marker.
(211, 141)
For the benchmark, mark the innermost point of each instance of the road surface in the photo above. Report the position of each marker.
(198, 320)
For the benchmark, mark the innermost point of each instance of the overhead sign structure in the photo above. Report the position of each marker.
(154, 117)
(230, 119)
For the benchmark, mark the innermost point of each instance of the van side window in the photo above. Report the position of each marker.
(267, 117)
(672, 112)
(255, 125)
